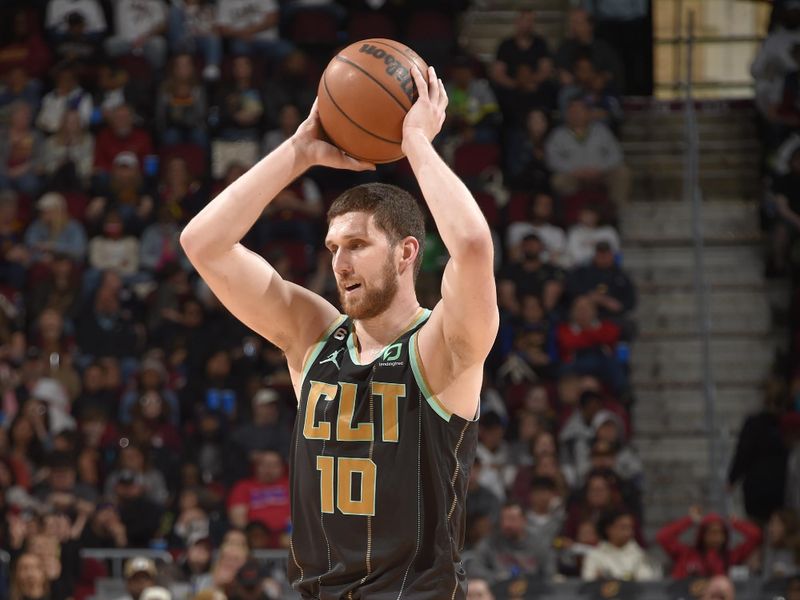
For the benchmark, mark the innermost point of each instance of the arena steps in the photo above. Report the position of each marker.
(666, 358)
(489, 21)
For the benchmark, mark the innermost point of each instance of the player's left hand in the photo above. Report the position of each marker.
(428, 112)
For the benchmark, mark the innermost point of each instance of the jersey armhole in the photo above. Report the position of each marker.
(422, 381)
(318, 346)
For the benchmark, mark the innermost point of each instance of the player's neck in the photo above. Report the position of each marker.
(375, 333)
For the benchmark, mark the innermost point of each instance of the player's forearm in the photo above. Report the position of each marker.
(460, 222)
(229, 216)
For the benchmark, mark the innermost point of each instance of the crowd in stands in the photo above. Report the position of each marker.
(137, 413)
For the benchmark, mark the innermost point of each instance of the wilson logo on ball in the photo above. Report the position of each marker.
(393, 68)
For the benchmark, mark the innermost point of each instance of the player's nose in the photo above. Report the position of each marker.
(341, 264)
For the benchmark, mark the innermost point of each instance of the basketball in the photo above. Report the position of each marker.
(364, 95)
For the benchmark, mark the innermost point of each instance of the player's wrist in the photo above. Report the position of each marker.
(414, 139)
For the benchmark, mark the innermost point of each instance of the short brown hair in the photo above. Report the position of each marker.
(396, 212)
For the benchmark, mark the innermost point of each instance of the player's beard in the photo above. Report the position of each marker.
(375, 297)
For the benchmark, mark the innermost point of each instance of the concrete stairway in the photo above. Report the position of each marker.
(489, 21)
(667, 357)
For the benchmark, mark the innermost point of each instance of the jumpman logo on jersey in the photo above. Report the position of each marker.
(333, 358)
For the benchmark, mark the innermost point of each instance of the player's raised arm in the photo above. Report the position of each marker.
(286, 314)
(466, 320)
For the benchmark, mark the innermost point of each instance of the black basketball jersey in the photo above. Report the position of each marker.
(379, 473)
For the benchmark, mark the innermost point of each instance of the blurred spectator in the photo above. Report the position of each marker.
(576, 435)
(14, 256)
(68, 155)
(140, 26)
(112, 249)
(54, 232)
(719, 588)
(478, 589)
(786, 194)
(483, 507)
(22, 46)
(140, 574)
(120, 135)
(779, 556)
(534, 91)
(533, 353)
(493, 452)
(610, 450)
(61, 488)
(713, 552)
(159, 247)
(67, 95)
(604, 283)
(581, 41)
(584, 155)
(28, 581)
(525, 47)
(126, 194)
(263, 497)
(152, 377)
(526, 165)
(289, 120)
(156, 593)
(292, 215)
(180, 193)
(181, 105)
(231, 558)
(627, 27)
(512, 550)
(292, 82)
(584, 236)
(17, 86)
(252, 583)
(251, 27)
(140, 515)
(265, 430)
(241, 104)
(617, 556)
(588, 344)
(192, 29)
(594, 88)
(774, 60)
(60, 291)
(104, 327)
(529, 272)
(545, 512)
(104, 529)
(600, 494)
(133, 463)
(760, 461)
(789, 108)
(19, 152)
(472, 113)
(62, 13)
(541, 222)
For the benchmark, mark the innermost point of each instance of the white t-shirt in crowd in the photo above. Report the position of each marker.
(136, 18)
(59, 10)
(582, 240)
(245, 13)
(552, 237)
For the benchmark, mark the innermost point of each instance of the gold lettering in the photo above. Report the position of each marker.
(365, 506)
(325, 467)
(345, 432)
(318, 390)
(390, 394)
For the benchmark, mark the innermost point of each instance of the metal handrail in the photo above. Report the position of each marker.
(118, 555)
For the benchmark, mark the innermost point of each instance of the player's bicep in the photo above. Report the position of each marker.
(286, 314)
(467, 313)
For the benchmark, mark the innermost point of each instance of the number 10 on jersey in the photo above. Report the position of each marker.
(337, 478)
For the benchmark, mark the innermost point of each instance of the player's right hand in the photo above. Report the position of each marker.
(314, 149)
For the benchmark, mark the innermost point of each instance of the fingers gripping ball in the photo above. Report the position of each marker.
(364, 95)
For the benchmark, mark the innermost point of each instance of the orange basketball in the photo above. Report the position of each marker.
(364, 95)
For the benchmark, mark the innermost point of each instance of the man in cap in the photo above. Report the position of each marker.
(140, 573)
(54, 232)
(266, 430)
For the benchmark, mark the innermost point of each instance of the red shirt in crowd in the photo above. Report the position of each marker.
(572, 338)
(693, 561)
(266, 502)
(108, 145)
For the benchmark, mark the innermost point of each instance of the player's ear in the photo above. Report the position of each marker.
(409, 247)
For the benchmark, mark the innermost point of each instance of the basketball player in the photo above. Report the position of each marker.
(388, 392)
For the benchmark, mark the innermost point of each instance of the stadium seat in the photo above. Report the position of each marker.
(488, 206)
(473, 158)
(518, 206)
(314, 27)
(195, 157)
(368, 24)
